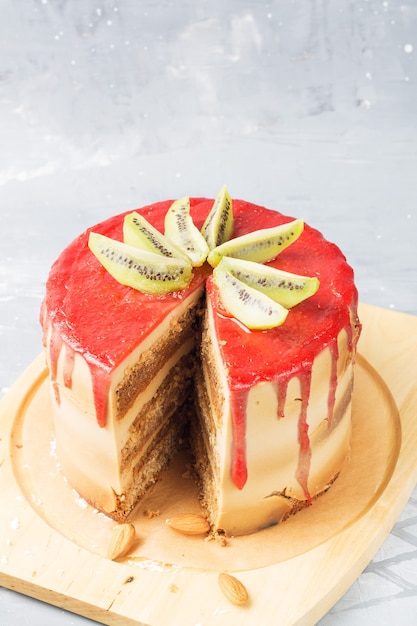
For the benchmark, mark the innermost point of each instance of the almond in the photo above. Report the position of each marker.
(234, 590)
(189, 524)
(121, 540)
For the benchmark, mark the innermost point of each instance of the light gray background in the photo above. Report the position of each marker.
(309, 107)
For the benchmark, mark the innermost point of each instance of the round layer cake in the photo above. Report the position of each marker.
(267, 412)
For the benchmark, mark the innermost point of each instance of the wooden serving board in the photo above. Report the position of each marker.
(53, 546)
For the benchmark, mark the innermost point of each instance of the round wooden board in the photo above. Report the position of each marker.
(53, 545)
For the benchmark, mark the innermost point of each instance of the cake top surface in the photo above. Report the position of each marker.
(104, 320)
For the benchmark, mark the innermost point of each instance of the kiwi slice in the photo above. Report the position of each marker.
(138, 232)
(284, 287)
(181, 230)
(218, 226)
(253, 308)
(260, 245)
(141, 269)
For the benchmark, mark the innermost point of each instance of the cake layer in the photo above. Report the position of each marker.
(150, 463)
(162, 405)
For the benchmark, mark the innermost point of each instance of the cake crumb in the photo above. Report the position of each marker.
(219, 536)
(189, 473)
(150, 514)
(173, 588)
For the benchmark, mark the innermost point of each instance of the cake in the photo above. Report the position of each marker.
(133, 375)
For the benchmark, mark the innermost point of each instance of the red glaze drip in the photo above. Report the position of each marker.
(282, 396)
(304, 458)
(239, 467)
(56, 393)
(55, 346)
(334, 352)
(101, 386)
(68, 366)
